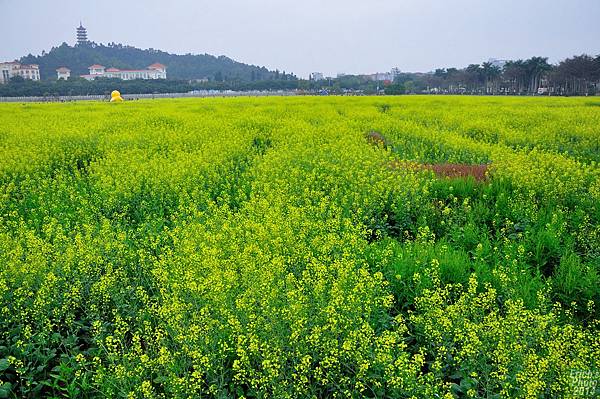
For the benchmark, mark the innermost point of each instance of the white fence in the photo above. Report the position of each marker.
(194, 94)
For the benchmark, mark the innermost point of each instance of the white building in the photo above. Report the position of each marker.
(382, 76)
(317, 76)
(379, 76)
(9, 70)
(63, 73)
(154, 71)
(497, 63)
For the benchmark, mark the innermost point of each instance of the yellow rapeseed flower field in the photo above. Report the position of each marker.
(382, 247)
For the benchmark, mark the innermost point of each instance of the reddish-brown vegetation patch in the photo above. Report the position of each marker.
(377, 138)
(453, 170)
(449, 170)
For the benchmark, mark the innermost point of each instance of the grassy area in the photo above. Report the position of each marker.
(272, 248)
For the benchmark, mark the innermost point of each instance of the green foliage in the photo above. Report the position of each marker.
(395, 89)
(81, 87)
(267, 248)
(79, 58)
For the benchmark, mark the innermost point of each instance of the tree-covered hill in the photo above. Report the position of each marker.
(78, 58)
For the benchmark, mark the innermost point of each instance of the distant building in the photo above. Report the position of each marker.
(81, 35)
(96, 70)
(317, 76)
(63, 73)
(497, 63)
(379, 76)
(9, 70)
(154, 71)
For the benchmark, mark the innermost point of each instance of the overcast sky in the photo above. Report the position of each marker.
(304, 36)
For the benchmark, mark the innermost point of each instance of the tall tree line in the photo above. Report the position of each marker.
(578, 75)
(19, 87)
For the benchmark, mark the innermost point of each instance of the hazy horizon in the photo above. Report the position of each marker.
(303, 37)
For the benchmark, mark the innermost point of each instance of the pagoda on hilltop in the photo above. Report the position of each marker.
(81, 34)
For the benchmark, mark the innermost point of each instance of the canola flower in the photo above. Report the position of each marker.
(264, 248)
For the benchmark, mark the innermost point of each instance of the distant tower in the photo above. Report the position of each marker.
(81, 35)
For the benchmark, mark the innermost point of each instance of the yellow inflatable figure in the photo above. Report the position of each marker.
(115, 97)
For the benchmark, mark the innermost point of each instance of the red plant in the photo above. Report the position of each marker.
(478, 172)
(449, 170)
(377, 138)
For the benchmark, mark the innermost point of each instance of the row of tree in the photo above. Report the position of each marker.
(19, 87)
(578, 75)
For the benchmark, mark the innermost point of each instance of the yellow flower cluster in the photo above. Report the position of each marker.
(265, 248)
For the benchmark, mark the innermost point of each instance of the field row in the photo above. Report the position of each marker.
(272, 248)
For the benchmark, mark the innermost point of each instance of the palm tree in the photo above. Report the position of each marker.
(515, 73)
(490, 73)
(597, 73)
(474, 76)
(577, 75)
(454, 79)
(536, 68)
